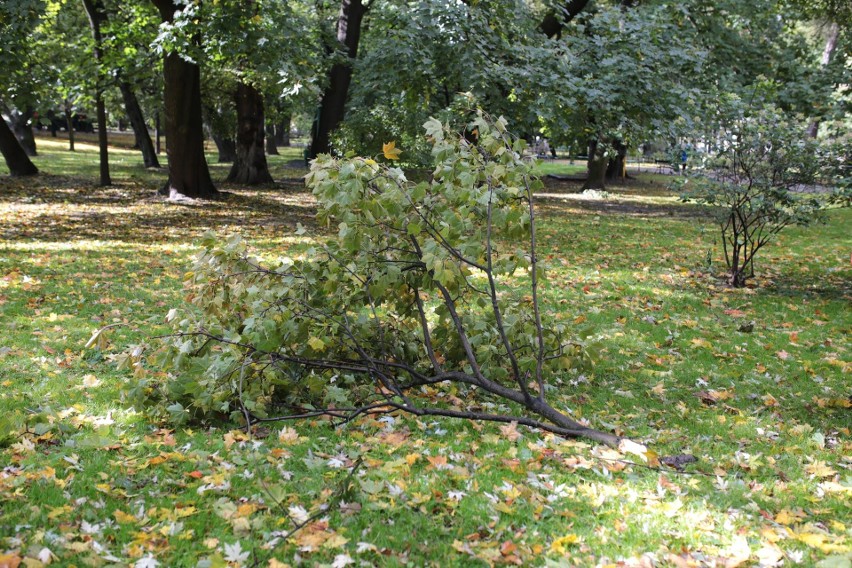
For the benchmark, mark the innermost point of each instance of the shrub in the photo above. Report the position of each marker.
(767, 176)
(427, 300)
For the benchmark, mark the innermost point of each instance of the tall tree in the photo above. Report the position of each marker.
(137, 122)
(16, 158)
(250, 165)
(189, 176)
(128, 29)
(332, 107)
(97, 16)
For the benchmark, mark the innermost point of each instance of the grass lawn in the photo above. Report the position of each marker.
(86, 481)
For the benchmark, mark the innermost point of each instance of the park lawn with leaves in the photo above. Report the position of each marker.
(751, 382)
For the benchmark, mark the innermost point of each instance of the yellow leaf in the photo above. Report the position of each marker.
(316, 343)
(561, 544)
(784, 518)
(503, 508)
(820, 469)
(659, 389)
(123, 517)
(246, 509)
(410, 459)
(390, 151)
(58, 512)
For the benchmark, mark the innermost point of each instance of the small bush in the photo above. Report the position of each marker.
(766, 176)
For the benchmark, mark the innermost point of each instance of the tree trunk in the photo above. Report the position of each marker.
(103, 144)
(69, 125)
(282, 131)
(24, 130)
(271, 142)
(16, 158)
(137, 121)
(250, 167)
(227, 149)
(157, 133)
(597, 165)
(189, 176)
(555, 20)
(617, 166)
(95, 12)
(830, 47)
(333, 103)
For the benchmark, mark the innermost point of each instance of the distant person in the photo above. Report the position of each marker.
(683, 157)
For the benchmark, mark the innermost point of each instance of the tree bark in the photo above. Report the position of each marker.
(16, 158)
(617, 166)
(69, 125)
(333, 103)
(282, 131)
(250, 165)
(596, 168)
(24, 131)
(555, 20)
(189, 176)
(137, 121)
(830, 47)
(95, 12)
(271, 142)
(227, 149)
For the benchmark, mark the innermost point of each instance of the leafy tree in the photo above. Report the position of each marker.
(764, 178)
(627, 77)
(18, 21)
(344, 49)
(415, 306)
(127, 33)
(97, 16)
(189, 176)
(417, 57)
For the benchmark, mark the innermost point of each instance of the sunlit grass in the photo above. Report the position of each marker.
(762, 410)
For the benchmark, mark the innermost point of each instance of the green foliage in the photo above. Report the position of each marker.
(329, 329)
(766, 176)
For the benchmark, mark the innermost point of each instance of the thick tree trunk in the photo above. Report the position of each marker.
(830, 47)
(189, 175)
(95, 12)
(333, 103)
(555, 20)
(617, 166)
(24, 130)
(282, 131)
(227, 149)
(16, 158)
(271, 142)
(596, 168)
(250, 165)
(137, 121)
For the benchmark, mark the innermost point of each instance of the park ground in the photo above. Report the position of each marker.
(753, 382)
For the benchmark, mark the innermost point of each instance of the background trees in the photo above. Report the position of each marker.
(599, 77)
